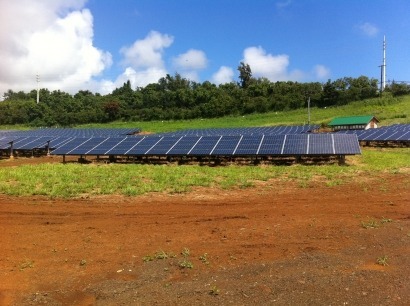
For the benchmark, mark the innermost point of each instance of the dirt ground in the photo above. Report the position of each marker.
(274, 244)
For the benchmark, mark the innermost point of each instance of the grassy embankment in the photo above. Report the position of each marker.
(388, 110)
(72, 180)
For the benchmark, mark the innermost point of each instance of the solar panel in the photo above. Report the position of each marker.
(226, 145)
(31, 143)
(143, 146)
(204, 145)
(124, 146)
(104, 145)
(271, 145)
(397, 132)
(404, 135)
(69, 146)
(59, 141)
(248, 145)
(320, 144)
(5, 141)
(295, 145)
(267, 130)
(184, 146)
(164, 145)
(346, 144)
(86, 146)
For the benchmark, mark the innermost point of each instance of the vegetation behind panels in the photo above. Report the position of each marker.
(177, 98)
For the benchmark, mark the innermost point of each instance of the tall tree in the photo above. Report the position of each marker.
(245, 74)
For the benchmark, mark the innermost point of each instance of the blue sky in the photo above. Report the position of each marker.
(100, 44)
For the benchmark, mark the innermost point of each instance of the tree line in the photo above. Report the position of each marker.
(175, 97)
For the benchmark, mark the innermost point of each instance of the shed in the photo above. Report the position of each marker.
(354, 123)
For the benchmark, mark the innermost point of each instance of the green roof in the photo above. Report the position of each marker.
(352, 120)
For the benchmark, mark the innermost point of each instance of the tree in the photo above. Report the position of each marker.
(245, 75)
(111, 109)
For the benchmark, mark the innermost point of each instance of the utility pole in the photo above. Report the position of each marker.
(309, 110)
(383, 67)
(38, 87)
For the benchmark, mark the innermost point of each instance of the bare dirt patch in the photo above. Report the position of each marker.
(274, 244)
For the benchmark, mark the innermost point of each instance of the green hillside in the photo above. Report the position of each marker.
(388, 110)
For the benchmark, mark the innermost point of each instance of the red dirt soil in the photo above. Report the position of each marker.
(274, 244)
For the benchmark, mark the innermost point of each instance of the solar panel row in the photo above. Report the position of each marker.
(214, 145)
(268, 130)
(67, 132)
(382, 134)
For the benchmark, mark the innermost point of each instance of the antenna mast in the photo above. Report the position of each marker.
(38, 87)
(384, 64)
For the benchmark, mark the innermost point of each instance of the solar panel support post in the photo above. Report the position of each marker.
(341, 159)
(298, 159)
(11, 150)
(48, 147)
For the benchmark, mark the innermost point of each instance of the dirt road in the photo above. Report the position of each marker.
(275, 244)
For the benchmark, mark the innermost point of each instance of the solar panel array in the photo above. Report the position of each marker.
(67, 132)
(263, 141)
(214, 145)
(397, 132)
(266, 130)
(54, 137)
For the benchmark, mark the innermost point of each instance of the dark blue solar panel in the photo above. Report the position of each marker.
(164, 145)
(398, 132)
(69, 146)
(103, 146)
(205, 145)
(88, 145)
(226, 145)
(183, 146)
(404, 135)
(295, 145)
(5, 141)
(271, 145)
(67, 132)
(59, 141)
(268, 130)
(346, 144)
(124, 146)
(144, 145)
(248, 145)
(31, 143)
(320, 144)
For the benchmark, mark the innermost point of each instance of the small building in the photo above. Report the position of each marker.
(354, 123)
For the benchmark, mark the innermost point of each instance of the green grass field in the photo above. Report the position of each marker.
(74, 180)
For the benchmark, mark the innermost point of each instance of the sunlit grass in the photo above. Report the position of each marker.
(73, 180)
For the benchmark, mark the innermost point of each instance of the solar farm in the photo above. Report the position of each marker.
(394, 135)
(136, 226)
(213, 145)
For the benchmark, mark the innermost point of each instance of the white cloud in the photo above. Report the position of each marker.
(223, 75)
(191, 60)
(145, 60)
(147, 52)
(368, 29)
(272, 67)
(321, 72)
(189, 64)
(51, 38)
(141, 78)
